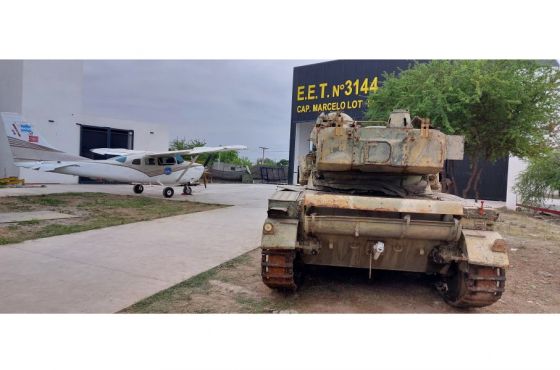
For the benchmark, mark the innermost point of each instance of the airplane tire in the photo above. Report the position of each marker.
(138, 188)
(168, 192)
(187, 190)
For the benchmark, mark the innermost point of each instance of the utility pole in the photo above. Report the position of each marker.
(263, 149)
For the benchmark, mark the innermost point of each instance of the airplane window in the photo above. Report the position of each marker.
(179, 159)
(120, 159)
(162, 161)
(136, 161)
(150, 161)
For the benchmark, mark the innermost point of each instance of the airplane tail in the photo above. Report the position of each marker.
(27, 144)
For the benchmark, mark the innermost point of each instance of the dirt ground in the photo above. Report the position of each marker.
(94, 211)
(533, 283)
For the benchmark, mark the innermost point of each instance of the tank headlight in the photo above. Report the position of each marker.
(268, 227)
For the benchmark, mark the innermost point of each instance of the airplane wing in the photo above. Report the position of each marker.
(116, 151)
(46, 166)
(201, 150)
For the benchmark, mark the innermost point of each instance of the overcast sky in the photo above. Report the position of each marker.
(221, 101)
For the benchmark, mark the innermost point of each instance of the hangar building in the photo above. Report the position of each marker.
(344, 85)
(48, 93)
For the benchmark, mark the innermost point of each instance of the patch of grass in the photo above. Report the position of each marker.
(253, 305)
(183, 290)
(198, 281)
(95, 211)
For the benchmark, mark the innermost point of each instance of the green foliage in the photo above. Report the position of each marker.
(209, 158)
(502, 107)
(182, 144)
(267, 162)
(540, 179)
(233, 158)
(283, 163)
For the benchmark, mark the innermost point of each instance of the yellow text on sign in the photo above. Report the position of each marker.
(347, 88)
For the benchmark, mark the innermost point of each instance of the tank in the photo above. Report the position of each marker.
(369, 197)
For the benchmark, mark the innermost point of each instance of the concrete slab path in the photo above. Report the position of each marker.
(9, 217)
(106, 270)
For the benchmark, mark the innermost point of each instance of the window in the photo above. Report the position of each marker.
(136, 161)
(150, 161)
(120, 159)
(179, 159)
(164, 161)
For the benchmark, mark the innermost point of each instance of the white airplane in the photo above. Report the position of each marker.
(137, 167)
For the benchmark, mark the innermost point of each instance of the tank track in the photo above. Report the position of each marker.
(278, 269)
(479, 286)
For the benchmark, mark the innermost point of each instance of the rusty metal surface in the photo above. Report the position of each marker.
(479, 245)
(277, 268)
(399, 254)
(479, 286)
(379, 204)
(381, 149)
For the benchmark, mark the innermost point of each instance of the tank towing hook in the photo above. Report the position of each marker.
(376, 250)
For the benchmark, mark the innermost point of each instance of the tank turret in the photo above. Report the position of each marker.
(400, 157)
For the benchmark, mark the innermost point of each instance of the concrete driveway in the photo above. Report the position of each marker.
(106, 270)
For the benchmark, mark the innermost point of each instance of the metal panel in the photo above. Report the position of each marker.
(378, 204)
(283, 233)
(479, 248)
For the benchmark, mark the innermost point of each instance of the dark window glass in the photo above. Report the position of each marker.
(136, 161)
(163, 161)
(150, 161)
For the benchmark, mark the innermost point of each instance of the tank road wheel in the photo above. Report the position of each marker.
(138, 188)
(187, 190)
(168, 192)
(478, 287)
(282, 269)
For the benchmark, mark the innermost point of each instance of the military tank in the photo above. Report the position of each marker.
(369, 197)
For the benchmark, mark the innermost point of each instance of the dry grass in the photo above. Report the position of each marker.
(95, 211)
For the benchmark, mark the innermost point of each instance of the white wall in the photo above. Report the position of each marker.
(303, 130)
(10, 101)
(515, 167)
(11, 83)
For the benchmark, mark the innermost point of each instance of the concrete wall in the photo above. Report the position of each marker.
(48, 93)
(10, 101)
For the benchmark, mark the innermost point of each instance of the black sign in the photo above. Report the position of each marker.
(341, 85)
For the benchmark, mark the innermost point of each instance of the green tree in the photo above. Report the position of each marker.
(182, 144)
(540, 180)
(502, 107)
(283, 163)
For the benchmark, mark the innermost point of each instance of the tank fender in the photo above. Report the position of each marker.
(280, 233)
(486, 248)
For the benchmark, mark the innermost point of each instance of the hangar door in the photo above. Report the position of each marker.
(92, 137)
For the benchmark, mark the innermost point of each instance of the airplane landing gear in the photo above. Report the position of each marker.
(187, 190)
(168, 192)
(138, 188)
